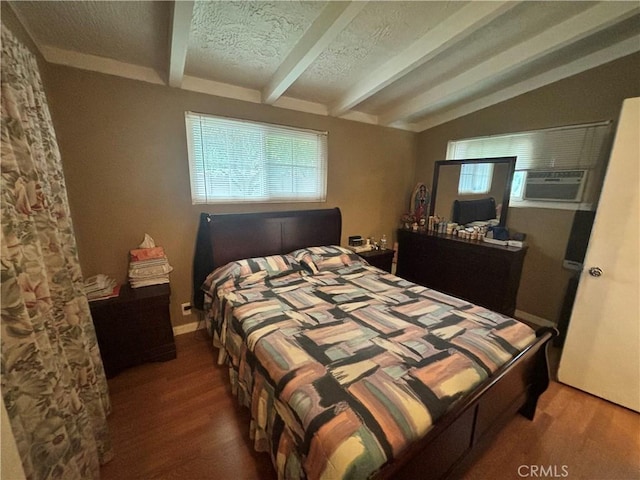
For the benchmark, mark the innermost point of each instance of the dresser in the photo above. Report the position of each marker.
(134, 327)
(479, 272)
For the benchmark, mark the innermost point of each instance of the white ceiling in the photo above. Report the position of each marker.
(410, 65)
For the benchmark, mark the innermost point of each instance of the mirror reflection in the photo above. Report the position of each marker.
(473, 190)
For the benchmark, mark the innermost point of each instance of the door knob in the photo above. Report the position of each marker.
(595, 271)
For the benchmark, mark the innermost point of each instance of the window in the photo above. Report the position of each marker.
(475, 178)
(241, 161)
(563, 148)
(517, 186)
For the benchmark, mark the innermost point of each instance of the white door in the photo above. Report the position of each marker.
(601, 353)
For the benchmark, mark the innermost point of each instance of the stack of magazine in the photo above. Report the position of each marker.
(100, 287)
(148, 266)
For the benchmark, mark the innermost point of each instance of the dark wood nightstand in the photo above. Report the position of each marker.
(134, 327)
(379, 258)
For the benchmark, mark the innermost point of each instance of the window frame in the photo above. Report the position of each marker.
(238, 135)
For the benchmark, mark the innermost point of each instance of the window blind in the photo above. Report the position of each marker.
(562, 148)
(241, 161)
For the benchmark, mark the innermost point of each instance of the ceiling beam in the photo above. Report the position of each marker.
(593, 60)
(453, 29)
(596, 18)
(332, 20)
(180, 26)
(95, 63)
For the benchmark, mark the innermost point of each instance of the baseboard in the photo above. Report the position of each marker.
(529, 317)
(188, 327)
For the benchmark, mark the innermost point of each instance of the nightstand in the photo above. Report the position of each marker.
(379, 258)
(134, 327)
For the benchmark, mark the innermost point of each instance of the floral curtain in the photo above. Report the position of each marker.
(53, 382)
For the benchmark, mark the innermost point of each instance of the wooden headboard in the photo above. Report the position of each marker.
(223, 238)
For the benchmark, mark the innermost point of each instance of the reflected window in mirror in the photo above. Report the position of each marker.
(475, 179)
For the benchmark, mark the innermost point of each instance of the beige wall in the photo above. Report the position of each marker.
(591, 96)
(124, 153)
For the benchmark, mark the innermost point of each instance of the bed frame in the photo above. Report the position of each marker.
(458, 436)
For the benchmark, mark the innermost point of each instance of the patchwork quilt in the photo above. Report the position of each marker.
(344, 365)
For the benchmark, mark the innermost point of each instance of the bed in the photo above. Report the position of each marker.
(349, 371)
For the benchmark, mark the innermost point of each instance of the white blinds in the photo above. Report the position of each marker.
(475, 178)
(240, 161)
(573, 147)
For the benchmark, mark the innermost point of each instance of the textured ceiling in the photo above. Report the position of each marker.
(244, 42)
(382, 30)
(410, 65)
(132, 32)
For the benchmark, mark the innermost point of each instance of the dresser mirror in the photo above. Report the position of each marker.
(472, 190)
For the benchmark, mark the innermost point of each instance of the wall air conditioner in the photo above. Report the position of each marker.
(555, 185)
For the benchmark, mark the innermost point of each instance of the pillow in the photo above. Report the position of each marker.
(322, 259)
(273, 264)
(267, 266)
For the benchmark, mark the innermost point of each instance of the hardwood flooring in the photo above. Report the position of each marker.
(179, 420)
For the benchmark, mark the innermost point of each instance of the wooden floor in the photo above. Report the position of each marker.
(179, 420)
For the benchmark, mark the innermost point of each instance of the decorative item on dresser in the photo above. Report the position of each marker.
(134, 327)
(482, 273)
(379, 258)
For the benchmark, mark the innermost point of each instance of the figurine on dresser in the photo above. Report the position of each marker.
(420, 204)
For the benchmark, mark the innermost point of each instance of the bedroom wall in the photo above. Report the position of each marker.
(592, 96)
(124, 152)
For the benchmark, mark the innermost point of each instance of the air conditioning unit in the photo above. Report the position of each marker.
(555, 185)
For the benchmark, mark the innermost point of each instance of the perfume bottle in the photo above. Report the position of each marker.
(383, 242)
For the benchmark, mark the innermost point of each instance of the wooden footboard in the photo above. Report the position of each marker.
(457, 437)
